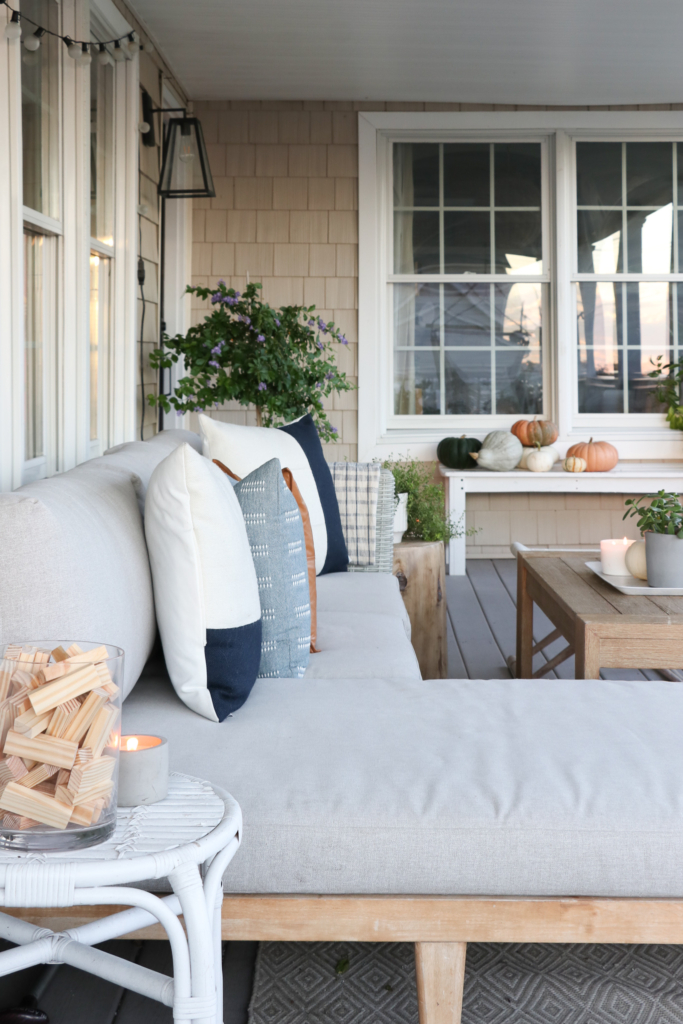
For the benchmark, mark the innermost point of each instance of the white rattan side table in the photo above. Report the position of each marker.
(188, 838)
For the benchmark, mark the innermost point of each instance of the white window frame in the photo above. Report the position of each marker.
(381, 432)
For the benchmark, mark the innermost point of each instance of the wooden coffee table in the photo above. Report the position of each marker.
(603, 628)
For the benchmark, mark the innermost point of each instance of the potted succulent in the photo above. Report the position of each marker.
(661, 525)
(279, 360)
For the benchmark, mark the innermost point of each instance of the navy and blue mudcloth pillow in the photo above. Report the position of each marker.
(304, 431)
(278, 548)
(232, 662)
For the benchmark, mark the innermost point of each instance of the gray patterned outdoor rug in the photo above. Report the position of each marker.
(368, 983)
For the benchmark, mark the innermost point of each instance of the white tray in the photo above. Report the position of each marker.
(631, 585)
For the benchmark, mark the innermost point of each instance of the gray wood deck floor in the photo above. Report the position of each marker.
(481, 615)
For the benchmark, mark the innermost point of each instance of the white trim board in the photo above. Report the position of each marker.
(381, 433)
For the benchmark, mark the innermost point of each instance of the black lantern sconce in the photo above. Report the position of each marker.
(185, 173)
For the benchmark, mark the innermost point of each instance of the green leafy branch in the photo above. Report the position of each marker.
(280, 360)
(663, 515)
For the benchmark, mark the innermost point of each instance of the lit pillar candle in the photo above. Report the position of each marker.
(613, 556)
(143, 770)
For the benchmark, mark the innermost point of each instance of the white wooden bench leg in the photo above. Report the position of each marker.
(440, 971)
(456, 507)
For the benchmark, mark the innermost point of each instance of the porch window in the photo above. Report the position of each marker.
(40, 112)
(34, 299)
(627, 295)
(468, 278)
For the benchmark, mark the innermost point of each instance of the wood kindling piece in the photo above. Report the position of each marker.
(73, 649)
(17, 768)
(54, 671)
(19, 800)
(5, 774)
(102, 670)
(84, 717)
(80, 680)
(63, 777)
(19, 702)
(88, 657)
(7, 668)
(6, 720)
(46, 749)
(12, 652)
(97, 737)
(59, 654)
(90, 775)
(21, 680)
(87, 814)
(31, 724)
(41, 773)
(28, 654)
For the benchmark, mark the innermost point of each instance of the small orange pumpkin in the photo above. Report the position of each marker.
(600, 456)
(533, 432)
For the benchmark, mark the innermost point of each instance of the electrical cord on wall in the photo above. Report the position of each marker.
(141, 282)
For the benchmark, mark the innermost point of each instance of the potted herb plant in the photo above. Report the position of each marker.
(661, 524)
(279, 360)
(427, 518)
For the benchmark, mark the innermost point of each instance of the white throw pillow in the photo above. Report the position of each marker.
(205, 589)
(244, 449)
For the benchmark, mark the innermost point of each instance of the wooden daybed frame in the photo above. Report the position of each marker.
(440, 927)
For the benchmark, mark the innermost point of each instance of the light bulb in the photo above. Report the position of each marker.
(132, 44)
(13, 28)
(119, 52)
(74, 50)
(85, 56)
(143, 127)
(186, 155)
(103, 57)
(148, 47)
(33, 42)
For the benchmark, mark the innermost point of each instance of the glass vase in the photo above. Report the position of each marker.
(60, 727)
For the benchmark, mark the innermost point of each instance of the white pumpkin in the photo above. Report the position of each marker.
(573, 464)
(635, 560)
(500, 451)
(540, 461)
(526, 452)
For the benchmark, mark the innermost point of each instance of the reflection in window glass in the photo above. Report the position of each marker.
(625, 193)
(484, 223)
(33, 345)
(613, 317)
(102, 152)
(40, 111)
(99, 333)
(468, 347)
(487, 332)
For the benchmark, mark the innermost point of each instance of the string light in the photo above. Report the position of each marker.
(33, 42)
(13, 28)
(78, 49)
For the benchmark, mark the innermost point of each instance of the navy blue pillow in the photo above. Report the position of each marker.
(304, 431)
(232, 662)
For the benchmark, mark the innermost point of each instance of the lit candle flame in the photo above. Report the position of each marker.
(132, 743)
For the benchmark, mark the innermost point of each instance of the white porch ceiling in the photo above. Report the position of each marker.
(568, 52)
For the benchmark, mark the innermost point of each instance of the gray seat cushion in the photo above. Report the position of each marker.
(533, 788)
(362, 592)
(362, 645)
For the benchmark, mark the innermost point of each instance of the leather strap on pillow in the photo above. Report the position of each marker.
(308, 537)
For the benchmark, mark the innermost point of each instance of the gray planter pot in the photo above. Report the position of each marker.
(664, 557)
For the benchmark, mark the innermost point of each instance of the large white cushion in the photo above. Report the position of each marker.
(143, 457)
(244, 449)
(205, 587)
(74, 563)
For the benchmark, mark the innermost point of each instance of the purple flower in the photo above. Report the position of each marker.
(311, 323)
(277, 322)
(322, 326)
(222, 282)
(329, 376)
(343, 340)
(216, 297)
(237, 294)
(320, 344)
(212, 362)
(217, 350)
(262, 386)
(179, 412)
(334, 430)
(261, 337)
(230, 301)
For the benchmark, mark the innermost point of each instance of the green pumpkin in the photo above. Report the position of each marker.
(454, 452)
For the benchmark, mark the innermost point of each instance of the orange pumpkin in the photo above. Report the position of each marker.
(533, 432)
(600, 456)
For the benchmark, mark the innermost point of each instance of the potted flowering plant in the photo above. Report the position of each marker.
(280, 360)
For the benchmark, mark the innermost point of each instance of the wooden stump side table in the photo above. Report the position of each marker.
(421, 570)
(603, 627)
